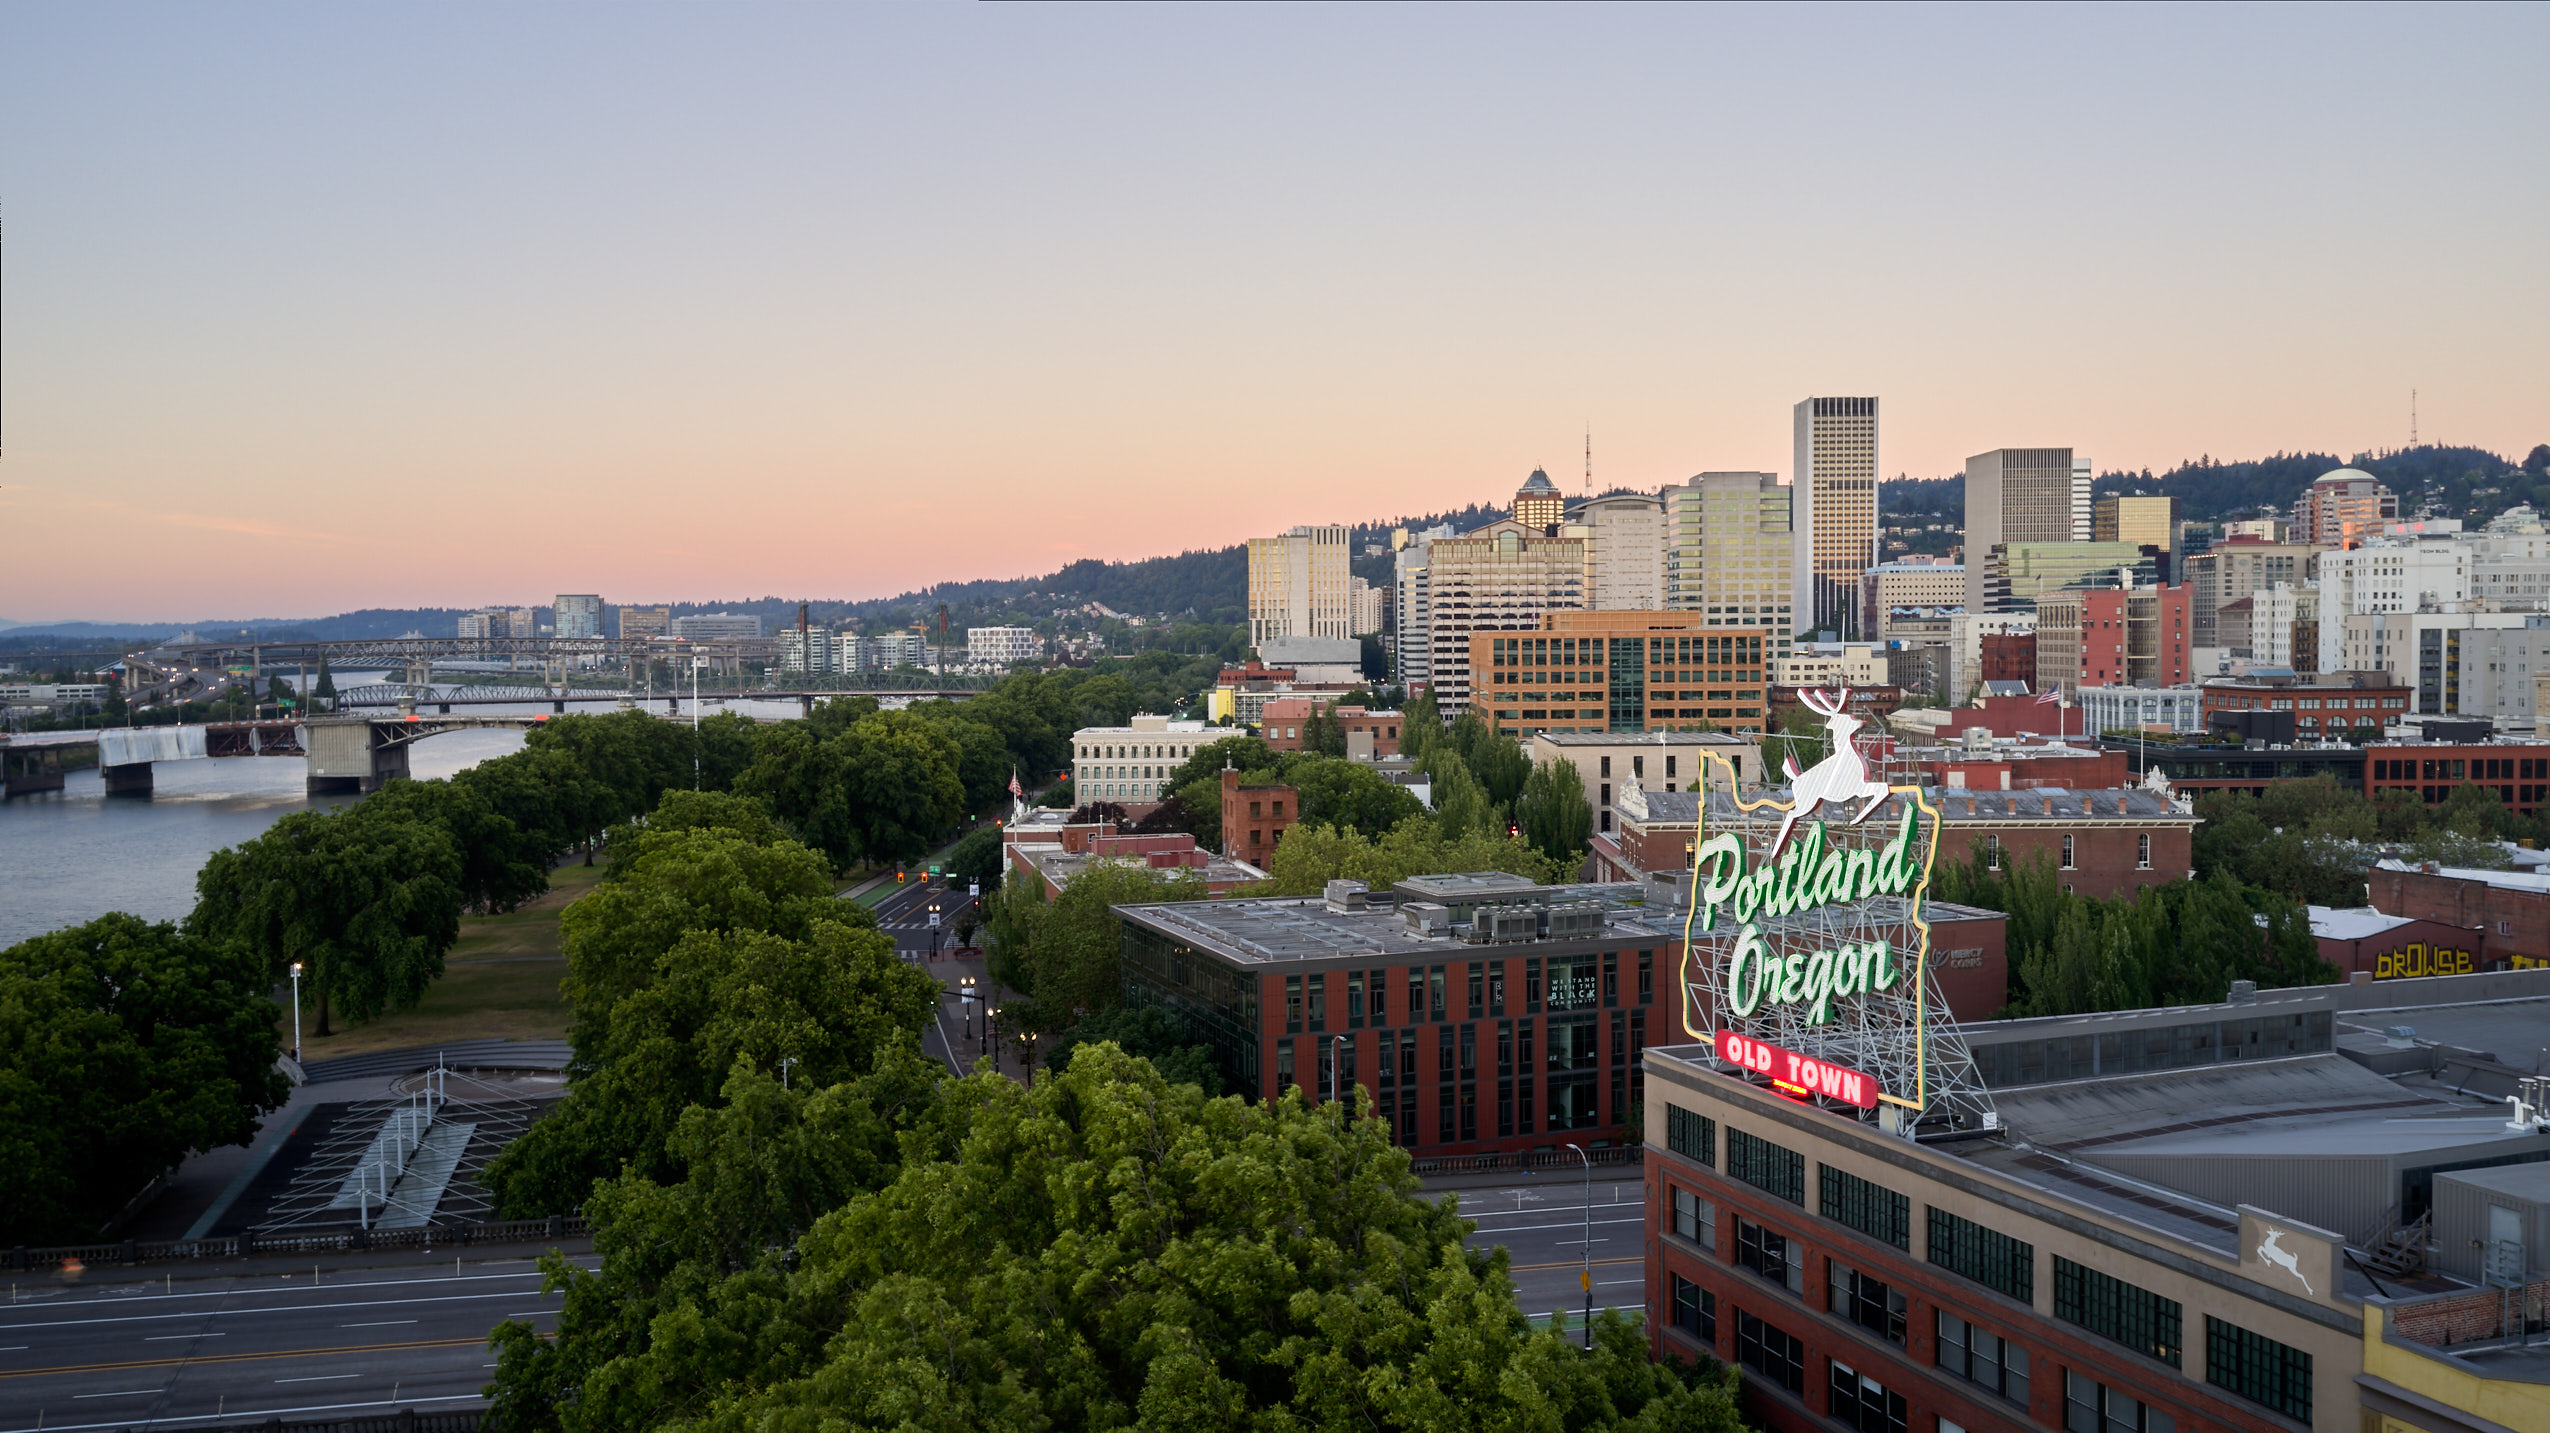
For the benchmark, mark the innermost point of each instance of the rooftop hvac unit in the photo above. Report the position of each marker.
(1978, 741)
(1426, 918)
(1502, 924)
(1576, 920)
(1348, 897)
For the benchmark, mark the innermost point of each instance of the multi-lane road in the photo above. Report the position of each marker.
(1543, 1227)
(131, 1349)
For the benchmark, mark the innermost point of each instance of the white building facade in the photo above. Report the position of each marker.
(2181, 709)
(1731, 554)
(1001, 646)
(1134, 763)
(1500, 578)
(1624, 537)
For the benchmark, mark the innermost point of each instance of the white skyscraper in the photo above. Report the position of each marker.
(1731, 553)
(1834, 512)
(1624, 537)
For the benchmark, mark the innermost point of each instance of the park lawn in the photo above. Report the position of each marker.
(500, 982)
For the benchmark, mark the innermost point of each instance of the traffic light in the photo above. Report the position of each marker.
(898, 878)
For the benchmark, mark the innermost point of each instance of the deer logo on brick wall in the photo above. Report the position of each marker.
(1840, 778)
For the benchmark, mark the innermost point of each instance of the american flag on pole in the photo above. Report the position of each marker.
(2049, 697)
(1014, 788)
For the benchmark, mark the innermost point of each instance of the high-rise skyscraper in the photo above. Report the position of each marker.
(1501, 578)
(2018, 495)
(1835, 511)
(579, 614)
(1414, 627)
(1538, 505)
(1297, 585)
(1732, 553)
(1624, 536)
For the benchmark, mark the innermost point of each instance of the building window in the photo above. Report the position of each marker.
(1982, 1357)
(1693, 1136)
(1870, 1303)
(1991, 851)
(1773, 1353)
(2135, 1317)
(1695, 1310)
(2090, 1406)
(2258, 1368)
(1354, 1000)
(1696, 1219)
(1292, 1004)
(1768, 1167)
(1771, 1254)
(2067, 853)
(1283, 1065)
(1319, 1002)
(1863, 1403)
(1987, 1256)
(1872, 1209)
(2143, 852)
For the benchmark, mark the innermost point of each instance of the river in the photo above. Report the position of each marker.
(71, 856)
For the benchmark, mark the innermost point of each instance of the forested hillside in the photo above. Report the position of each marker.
(2468, 483)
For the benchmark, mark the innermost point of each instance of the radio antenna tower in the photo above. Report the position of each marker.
(2412, 417)
(1589, 457)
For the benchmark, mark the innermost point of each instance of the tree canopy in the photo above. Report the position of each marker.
(124, 1047)
(1104, 1250)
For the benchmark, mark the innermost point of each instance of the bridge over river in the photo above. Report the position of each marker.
(345, 753)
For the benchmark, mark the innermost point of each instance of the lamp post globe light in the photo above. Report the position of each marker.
(1586, 1277)
(296, 1012)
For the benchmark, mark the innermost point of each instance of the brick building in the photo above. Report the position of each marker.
(2517, 772)
(2387, 947)
(1282, 720)
(1610, 763)
(1255, 818)
(2337, 706)
(2006, 657)
(2509, 910)
(2119, 638)
(2114, 1253)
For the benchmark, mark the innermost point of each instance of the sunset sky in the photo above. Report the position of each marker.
(314, 308)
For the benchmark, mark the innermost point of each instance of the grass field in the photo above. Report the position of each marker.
(500, 981)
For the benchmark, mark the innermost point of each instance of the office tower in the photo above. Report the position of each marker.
(1297, 585)
(1369, 605)
(1624, 537)
(579, 614)
(2342, 507)
(1500, 578)
(2016, 495)
(1413, 595)
(638, 622)
(1835, 512)
(2081, 500)
(1537, 504)
(1732, 553)
(1619, 671)
(2143, 521)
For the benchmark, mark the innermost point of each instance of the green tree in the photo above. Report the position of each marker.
(829, 1003)
(1420, 723)
(1148, 1033)
(124, 1047)
(1501, 766)
(1066, 955)
(679, 810)
(1345, 793)
(367, 901)
(880, 789)
(1322, 733)
(1240, 753)
(1556, 818)
(1461, 805)
(1312, 855)
(1106, 1249)
(500, 866)
(978, 857)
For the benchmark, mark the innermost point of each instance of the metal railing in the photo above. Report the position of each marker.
(406, 1420)
(240, 1246)
(1516, 1161)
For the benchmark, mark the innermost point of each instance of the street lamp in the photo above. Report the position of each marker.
(991, 1041)
(784, 1063)
(965, 999)
(934, 930)
(698, 665)
(1336, 1068)
(1586, 1277)
(296, 1012)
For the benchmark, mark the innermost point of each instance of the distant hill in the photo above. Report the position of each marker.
(2468, 483)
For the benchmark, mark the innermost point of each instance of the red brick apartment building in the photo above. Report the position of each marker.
(2006, 657)
(1255, 818)
(1283, 719)
(2112, 639)
(2517, 771)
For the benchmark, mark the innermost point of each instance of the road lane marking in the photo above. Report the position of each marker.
(377, 1324)
(168, 1337)
(319, 1378)
(277, 1309)
(238, 1292)
(170, 1420)
(476, 1340)
(127, 1393)
(1569, 1264)
(1562, 1224)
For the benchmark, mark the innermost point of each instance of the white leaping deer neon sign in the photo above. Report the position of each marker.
(1840, 778)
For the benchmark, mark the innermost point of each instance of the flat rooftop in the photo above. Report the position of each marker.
(1262, 929)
